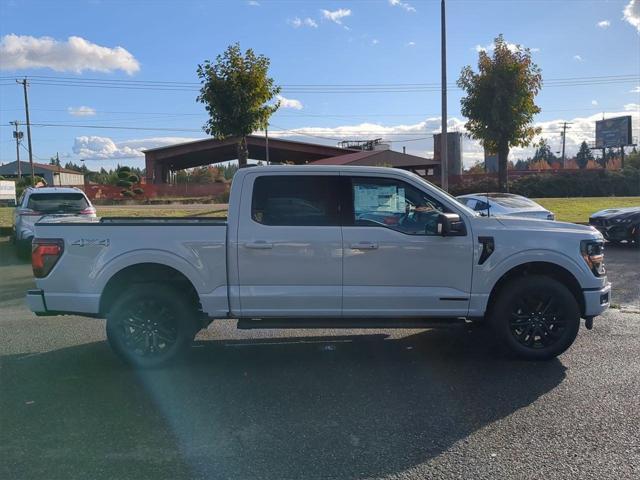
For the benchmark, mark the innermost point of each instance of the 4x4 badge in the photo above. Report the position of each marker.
(91, 242)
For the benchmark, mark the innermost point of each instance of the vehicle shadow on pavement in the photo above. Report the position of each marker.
(308, 407)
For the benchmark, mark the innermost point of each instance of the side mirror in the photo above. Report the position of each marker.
(450, 225)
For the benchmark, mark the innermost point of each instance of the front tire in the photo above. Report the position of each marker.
(151, 325)
(536, 317)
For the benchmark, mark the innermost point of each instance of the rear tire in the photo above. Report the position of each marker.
(151, 325)
(536, 317)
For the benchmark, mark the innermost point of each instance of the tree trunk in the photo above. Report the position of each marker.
(243, 152)
(503, 155)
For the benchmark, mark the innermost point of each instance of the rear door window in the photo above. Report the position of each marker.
(57, 202)
(296, 200)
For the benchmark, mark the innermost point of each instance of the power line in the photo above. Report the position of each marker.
(152, 85)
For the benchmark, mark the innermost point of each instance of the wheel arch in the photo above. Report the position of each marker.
(147, 272)
(549, 269)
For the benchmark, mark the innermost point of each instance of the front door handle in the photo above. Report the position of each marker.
(364, 246)
(259, 245)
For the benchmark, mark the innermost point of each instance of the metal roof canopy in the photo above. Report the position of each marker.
(373, 158)
(160, 161)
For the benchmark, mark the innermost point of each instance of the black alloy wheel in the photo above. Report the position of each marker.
(150, 325)
(536, 317)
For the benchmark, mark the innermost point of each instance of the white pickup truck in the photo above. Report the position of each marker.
(316, 247)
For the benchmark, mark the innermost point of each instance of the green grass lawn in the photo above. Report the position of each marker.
(579, 209)
(566, 209)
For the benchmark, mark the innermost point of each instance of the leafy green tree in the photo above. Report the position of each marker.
(584, 155)
(236, 92)
(54, 161)
(543, 152)
(499, 101)
(129, 181)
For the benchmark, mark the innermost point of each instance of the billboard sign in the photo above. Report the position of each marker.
(613, 132)
(7, 193)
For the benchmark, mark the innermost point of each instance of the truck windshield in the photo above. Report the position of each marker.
(57, 202)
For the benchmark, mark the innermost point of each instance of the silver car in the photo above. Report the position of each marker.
(505, 204)
(36, 203)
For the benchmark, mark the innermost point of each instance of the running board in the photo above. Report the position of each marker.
(352, 323)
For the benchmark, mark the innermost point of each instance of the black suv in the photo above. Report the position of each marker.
(618, 224)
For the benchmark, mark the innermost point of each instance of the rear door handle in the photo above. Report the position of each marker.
(259, 245)
(364, 246)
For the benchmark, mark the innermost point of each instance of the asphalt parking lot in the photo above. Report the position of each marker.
(319, 404)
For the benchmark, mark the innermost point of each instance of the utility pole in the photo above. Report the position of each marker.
(564, 138)
(26, 110)
(17, 134)
(59, 169)
(266, 140)
(444, 157)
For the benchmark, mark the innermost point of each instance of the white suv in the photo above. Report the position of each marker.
(36, 203)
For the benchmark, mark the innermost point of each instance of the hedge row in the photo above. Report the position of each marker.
(601, 183)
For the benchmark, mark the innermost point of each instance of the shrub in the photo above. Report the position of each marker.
(584, 183)
(124, 183)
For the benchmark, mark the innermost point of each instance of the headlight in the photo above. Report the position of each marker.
(593, 253)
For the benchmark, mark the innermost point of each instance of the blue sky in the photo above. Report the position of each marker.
(310, 43)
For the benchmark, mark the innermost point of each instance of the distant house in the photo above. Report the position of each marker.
(53, 175)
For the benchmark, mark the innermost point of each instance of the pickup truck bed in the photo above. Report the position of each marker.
(97, 250)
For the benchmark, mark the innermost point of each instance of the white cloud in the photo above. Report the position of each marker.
(635, 90)
(303, 22)
(404, 5)
(253, 3)
(375, 41)
(410, 44)
(73, 55)
(577, 58)
(603, 24)
(104, 148)
(582, 128)
(513, 47)
(290, 103)
(632, 13)
(81, 111)
(336, 16)
(594, 103)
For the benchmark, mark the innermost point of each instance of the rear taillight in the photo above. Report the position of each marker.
(45, 253)
(88, 211)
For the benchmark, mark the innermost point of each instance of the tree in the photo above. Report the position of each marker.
(55, 161)
(128, 181)
(584, 155)
(543, 152)
(477, 167)
(236, 92)
(499, 101)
